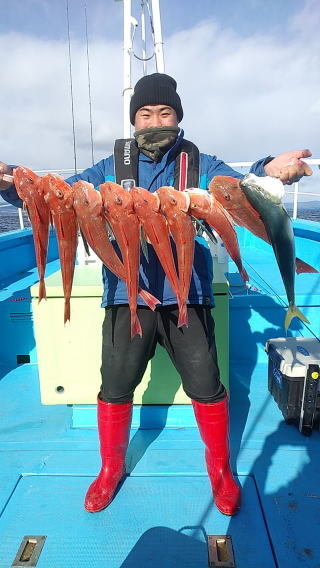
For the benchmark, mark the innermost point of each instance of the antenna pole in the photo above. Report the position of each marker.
(127, 49)
(158, 43)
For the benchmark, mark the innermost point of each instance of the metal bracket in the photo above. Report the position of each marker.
(309, 399)
(220, 551)
(29, 551)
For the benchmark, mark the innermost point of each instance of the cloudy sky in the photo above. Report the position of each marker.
(248, 73)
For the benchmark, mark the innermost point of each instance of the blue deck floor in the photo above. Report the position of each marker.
(163, 510)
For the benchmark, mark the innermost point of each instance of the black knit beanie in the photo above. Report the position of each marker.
(155, 89)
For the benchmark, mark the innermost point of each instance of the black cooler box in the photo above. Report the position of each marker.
(294, 379)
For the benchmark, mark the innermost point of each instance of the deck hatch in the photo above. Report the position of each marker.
(169, 530)
(29, 551)
(220, 551)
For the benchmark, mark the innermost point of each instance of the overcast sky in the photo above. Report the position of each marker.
(248, 74)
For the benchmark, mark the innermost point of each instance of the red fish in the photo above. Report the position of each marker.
(206, 207)
(29, 190)
(147, 208)
(59, 197)
(88, 207)
(227, 190)
(120, 214)
(174, 205)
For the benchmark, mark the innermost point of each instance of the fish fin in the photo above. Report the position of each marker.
(109, 229)
(292, 312)
(85, 243)
(143, 242)
(203, 225)
(149, 299)
(244, 275)
(302, 267)
(42, 291)
(135, 325)
(66, 310)
(183, 315)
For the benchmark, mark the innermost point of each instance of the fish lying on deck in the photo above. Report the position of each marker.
(59, 197)
(205, 206)
(147, 208)
(279, 230)
(174, 205)
(30, 191)
(120, 214)
(227, 190)
(89, 210)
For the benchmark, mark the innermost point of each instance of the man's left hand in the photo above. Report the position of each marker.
(289, 167)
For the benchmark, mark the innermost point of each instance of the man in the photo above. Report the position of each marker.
(155, 112)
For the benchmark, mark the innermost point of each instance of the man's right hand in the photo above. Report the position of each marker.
(5, 169)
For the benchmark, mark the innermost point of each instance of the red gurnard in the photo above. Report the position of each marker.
(29, 190)
(227, 190)
(59, 197)
(119, 212)
(147, 208)
(174, 205)
(205, 206)
(88, 207)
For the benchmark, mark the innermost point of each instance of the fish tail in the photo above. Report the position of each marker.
(292, 312)
(302, 267)
(135, 325)
(66, 310)
(149, 299)
(42, 290)
(183, 315)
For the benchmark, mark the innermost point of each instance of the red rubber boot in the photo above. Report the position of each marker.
(213, 423)
(114, 422)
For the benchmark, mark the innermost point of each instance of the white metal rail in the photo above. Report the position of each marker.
(236, 165)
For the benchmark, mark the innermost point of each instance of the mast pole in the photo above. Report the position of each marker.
(143, 37)
(127, 49)
(158, 43)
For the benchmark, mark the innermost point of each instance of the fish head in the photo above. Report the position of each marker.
(227, 191)
(87, 200)
(57, 193)
(173, 200)
(144, 200)
(26, 182)
(269, 188)
(115, 198)
(200, 202)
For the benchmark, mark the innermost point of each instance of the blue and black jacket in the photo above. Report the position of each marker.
(151, 176)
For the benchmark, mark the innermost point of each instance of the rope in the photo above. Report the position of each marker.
(89, 83)
(143, 58)
(71, 90)
(152, 33)
(258, 282)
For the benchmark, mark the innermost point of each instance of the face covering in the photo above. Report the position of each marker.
(155, 142)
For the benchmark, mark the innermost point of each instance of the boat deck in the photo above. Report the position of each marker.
(163, 512)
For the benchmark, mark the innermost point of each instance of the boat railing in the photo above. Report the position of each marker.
(236, 165)
(295, 191)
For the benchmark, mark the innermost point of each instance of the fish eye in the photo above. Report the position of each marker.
(227, 196)
(118, 200)
(59, 193)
